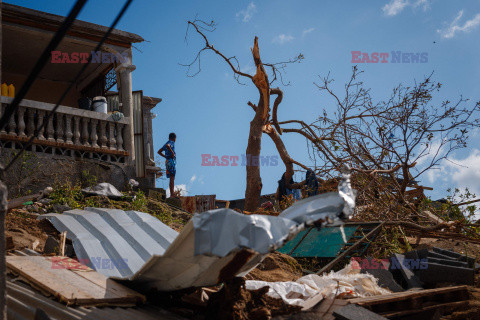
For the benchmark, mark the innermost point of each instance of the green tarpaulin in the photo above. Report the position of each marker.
(323, 243)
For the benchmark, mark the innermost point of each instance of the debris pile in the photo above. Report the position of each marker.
(307, 261)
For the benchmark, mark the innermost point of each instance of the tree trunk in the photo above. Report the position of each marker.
(254, 180)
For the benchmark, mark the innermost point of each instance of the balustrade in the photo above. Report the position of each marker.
(69, 128)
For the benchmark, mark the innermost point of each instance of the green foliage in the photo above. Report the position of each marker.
(68, 194)
(449, 210)
(88, 179)
(390, 241)
(139, 202)
(71, 195)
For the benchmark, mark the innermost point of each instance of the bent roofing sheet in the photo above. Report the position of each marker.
(214, 246)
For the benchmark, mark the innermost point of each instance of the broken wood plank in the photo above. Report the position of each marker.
(15, 203)
(444, 306)
(69, 286)
(395, 297)
(63, 238)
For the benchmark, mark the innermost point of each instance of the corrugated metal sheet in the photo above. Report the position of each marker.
(24, 303)
(115, 235)
(213, 247)
(137, 98)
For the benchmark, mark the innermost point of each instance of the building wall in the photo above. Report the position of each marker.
(35, 171)
(44, 90)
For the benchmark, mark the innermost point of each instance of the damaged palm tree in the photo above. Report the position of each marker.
(261, 122)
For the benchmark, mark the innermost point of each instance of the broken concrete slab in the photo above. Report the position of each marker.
(354, 312)
(384, 277)
(402, 274)
(9, 243)
(448, 262)
(440, 273)
(457, 256)
(51, 246)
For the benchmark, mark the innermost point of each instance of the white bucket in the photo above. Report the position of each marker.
(99, 104)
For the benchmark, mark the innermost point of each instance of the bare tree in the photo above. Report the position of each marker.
(396, 140)
(261, 121)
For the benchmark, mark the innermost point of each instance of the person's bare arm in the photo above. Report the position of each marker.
(160, 152)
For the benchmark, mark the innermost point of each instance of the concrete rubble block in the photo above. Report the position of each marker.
(60, 208)
(440, 256)
(402, 273)
(441, 273)
(458, 256)
(384, 276)
(45, 201)
(9, 245)
(448, 262)
(355, 312)
(51, 246)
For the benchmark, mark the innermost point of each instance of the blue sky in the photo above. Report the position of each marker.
(209, 112)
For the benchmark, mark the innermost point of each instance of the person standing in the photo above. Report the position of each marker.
(171, 160)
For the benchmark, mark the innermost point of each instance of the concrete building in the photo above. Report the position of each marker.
(75, 142)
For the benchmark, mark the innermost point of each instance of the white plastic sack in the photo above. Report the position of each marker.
(347, 281)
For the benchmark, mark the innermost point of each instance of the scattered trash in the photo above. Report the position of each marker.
(348, 282)
(104, 189)
(133, 183)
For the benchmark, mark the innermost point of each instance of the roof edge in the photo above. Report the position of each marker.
(48, 21)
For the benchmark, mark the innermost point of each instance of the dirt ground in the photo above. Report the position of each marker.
(27, 231)
(276, 267)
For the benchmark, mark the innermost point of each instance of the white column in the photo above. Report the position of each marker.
(124, 71)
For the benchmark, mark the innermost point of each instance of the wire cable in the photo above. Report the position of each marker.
(51, 113)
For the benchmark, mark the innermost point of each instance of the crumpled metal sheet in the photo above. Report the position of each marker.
(103, 189)
(214, 246)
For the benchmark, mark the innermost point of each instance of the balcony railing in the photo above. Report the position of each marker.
(71, 131)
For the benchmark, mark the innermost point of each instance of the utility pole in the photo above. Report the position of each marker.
(3, 262)
(3, 213)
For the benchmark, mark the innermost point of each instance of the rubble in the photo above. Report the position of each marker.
(218, 244)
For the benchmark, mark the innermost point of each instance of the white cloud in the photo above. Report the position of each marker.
(282, 38)
(247, 14)
(455, 27)
(467, 172)
(395, 7)
(455, 173)
(307, 31)
(193, 178)
(182, 187)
